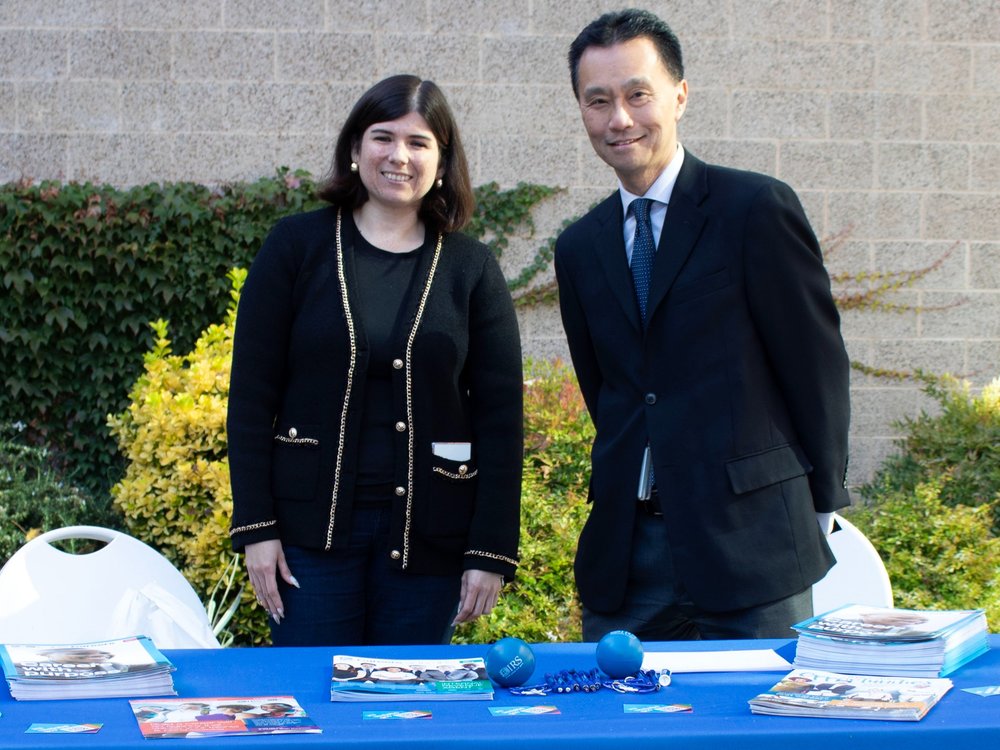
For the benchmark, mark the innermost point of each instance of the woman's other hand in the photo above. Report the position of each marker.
(480, 593)
(265, 560)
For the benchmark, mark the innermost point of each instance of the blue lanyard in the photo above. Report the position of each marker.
(574, 681)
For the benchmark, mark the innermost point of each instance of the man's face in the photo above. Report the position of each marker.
(81, 656)
(630, 106)
(893, 618)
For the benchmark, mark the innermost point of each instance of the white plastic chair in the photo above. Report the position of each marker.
(859, 576)
(124, 588)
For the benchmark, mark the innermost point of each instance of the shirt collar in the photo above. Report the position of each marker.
(661, 188)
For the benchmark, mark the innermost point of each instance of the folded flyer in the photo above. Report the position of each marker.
(188, 718)
(370, 678)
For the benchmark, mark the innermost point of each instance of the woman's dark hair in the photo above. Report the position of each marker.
(447, 208)
(623, 26)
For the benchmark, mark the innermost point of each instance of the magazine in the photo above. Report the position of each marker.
(860, 622)
(804, 692)
(188, 718)
(121, 667)
(368, 678)
(898, 642)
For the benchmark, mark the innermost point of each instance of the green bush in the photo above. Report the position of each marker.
(541, 603)
(175, 494)
(84, 268)
(961, 441)
(32, 498)
(937, 556)
(932, 509)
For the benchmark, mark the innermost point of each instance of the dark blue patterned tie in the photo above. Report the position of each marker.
(643, 249)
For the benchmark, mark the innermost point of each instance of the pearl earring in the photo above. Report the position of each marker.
(354, 166)
(439, 183)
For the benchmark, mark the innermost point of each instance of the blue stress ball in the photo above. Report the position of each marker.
(510, 662)
(619, 654)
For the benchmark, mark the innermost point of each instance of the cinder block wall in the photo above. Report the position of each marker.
(883, 114)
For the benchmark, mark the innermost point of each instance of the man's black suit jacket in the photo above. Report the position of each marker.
(739, 383)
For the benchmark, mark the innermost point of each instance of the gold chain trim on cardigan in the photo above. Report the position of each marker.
(492, 556)
(341, 279)
(454, 475)
(251, 527)
(409, 399)
(306, 441)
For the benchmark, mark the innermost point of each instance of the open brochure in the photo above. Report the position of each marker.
(121, 667)
(188, 718)
(369, 678)
(804, 692)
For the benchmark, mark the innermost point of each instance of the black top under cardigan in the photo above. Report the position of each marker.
(299, 362)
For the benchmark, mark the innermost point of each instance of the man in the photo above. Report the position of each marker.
(708, 350)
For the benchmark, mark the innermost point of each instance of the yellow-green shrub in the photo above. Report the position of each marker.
(175, 494)
(541, 604)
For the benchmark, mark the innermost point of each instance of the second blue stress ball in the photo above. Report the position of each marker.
(510, 662)
(619, 654)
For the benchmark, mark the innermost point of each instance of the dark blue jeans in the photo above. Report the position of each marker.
(354, 597)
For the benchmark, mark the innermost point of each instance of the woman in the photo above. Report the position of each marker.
(374, 418)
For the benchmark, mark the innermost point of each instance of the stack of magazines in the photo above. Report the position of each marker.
(368, 678)
(862, 640)
(122, 667)
(805, 692)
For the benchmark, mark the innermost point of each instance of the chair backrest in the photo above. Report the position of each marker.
(859, 576)
(124, 588)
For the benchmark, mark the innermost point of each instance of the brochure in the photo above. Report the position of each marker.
(368, 678)
(898, 642)
(860, 622)
(122, 667)
(804, 692)
(188, 718)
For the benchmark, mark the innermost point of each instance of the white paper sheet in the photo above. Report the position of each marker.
(752, 660)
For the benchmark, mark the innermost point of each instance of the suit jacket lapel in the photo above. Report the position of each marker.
(681, 229)
(609, 243)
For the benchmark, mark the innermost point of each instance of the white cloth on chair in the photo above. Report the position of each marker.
(124, 588)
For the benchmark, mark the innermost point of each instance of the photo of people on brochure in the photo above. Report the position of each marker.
(366, 678)
(215, 717)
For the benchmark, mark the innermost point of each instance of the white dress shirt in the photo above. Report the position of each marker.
(659, 192)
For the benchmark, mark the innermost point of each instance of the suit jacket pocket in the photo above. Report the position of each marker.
(452, 498)
(749, 473)
(295, 461)
(695, 288)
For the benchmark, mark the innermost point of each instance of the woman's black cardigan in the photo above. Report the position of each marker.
(299, 363)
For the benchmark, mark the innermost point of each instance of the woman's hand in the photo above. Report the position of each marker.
(480, 593)
(265, 560)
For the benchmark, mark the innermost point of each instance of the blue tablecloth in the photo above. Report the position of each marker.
(720, 719)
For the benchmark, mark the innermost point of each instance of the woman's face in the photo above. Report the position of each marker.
(398, 161)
